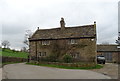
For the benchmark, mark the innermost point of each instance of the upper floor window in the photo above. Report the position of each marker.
(45, 42)
(73, 41)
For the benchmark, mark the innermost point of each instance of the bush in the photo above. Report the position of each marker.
(67, 58)
(52, 58)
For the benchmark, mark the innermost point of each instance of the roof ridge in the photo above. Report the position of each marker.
(69, 27)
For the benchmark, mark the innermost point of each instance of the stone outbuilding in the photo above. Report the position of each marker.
(110, 52)
(77, 41)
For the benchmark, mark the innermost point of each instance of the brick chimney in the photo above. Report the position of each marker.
(62, 23)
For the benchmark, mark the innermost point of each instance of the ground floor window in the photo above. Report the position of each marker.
(75, 54)
(42, 54)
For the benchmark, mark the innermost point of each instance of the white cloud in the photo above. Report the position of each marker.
(21, 15)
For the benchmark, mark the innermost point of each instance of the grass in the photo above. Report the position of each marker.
(66, 67)
(11, 53)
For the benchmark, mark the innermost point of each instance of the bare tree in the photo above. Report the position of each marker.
(5, 44)
(0, 46)
(118, 41)
(23, 49)
(28, 34)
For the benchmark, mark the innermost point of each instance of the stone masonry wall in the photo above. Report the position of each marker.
(84, 50)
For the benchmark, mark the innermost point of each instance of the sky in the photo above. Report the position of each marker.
(17, 16)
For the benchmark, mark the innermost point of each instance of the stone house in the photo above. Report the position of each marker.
(110, 52)
(77, 41)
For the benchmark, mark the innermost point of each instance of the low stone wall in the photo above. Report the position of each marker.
(13, 59)
(67, 64)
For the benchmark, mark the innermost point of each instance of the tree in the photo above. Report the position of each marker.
(24, 49)
(118, 41)
(28, 34)
(5, 44)
(0, 46)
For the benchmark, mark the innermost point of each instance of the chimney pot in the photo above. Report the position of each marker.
(38, 28)
(94, 22)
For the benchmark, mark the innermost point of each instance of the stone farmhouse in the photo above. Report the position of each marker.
(77, 41)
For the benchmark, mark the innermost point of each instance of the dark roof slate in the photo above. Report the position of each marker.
(68, 32)
(107, 48)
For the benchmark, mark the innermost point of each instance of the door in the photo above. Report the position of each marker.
(108, 56)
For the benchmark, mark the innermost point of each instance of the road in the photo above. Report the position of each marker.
(23, 71)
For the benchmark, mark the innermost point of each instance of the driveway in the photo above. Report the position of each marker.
(23, 71)
(109, 69)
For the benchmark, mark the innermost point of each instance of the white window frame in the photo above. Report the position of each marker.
(45, 42)
(73, 41)
(39, 54)
(42, 54)
(75, 55)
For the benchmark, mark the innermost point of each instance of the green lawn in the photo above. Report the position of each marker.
(66, 67)
(11, 53)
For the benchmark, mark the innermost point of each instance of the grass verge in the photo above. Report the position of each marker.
(67, 67)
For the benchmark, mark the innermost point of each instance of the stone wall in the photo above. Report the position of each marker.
(13, 59)
(85, 48)
(83, 64)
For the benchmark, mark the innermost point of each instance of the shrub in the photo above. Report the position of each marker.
(67, 58)
(52, 58)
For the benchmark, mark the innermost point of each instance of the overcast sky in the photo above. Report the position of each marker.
(17, 16)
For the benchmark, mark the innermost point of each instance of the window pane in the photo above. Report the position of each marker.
(45, 42)
(73, 41)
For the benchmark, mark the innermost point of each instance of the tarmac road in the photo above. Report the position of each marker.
(24, 71)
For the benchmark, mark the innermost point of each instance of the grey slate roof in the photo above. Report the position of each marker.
(107, 48)
(68, 32)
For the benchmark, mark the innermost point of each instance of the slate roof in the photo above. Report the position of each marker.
(107, 48)
(68, 32)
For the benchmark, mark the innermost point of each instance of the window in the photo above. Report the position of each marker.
(75, 55)
(45, 42)
(39, 54)
(42, 54)
(73, 41)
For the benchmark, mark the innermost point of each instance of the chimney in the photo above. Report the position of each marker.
(38, 28)
(95, 24)
(62, 23)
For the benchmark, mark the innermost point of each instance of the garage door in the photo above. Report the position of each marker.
(108, 56)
